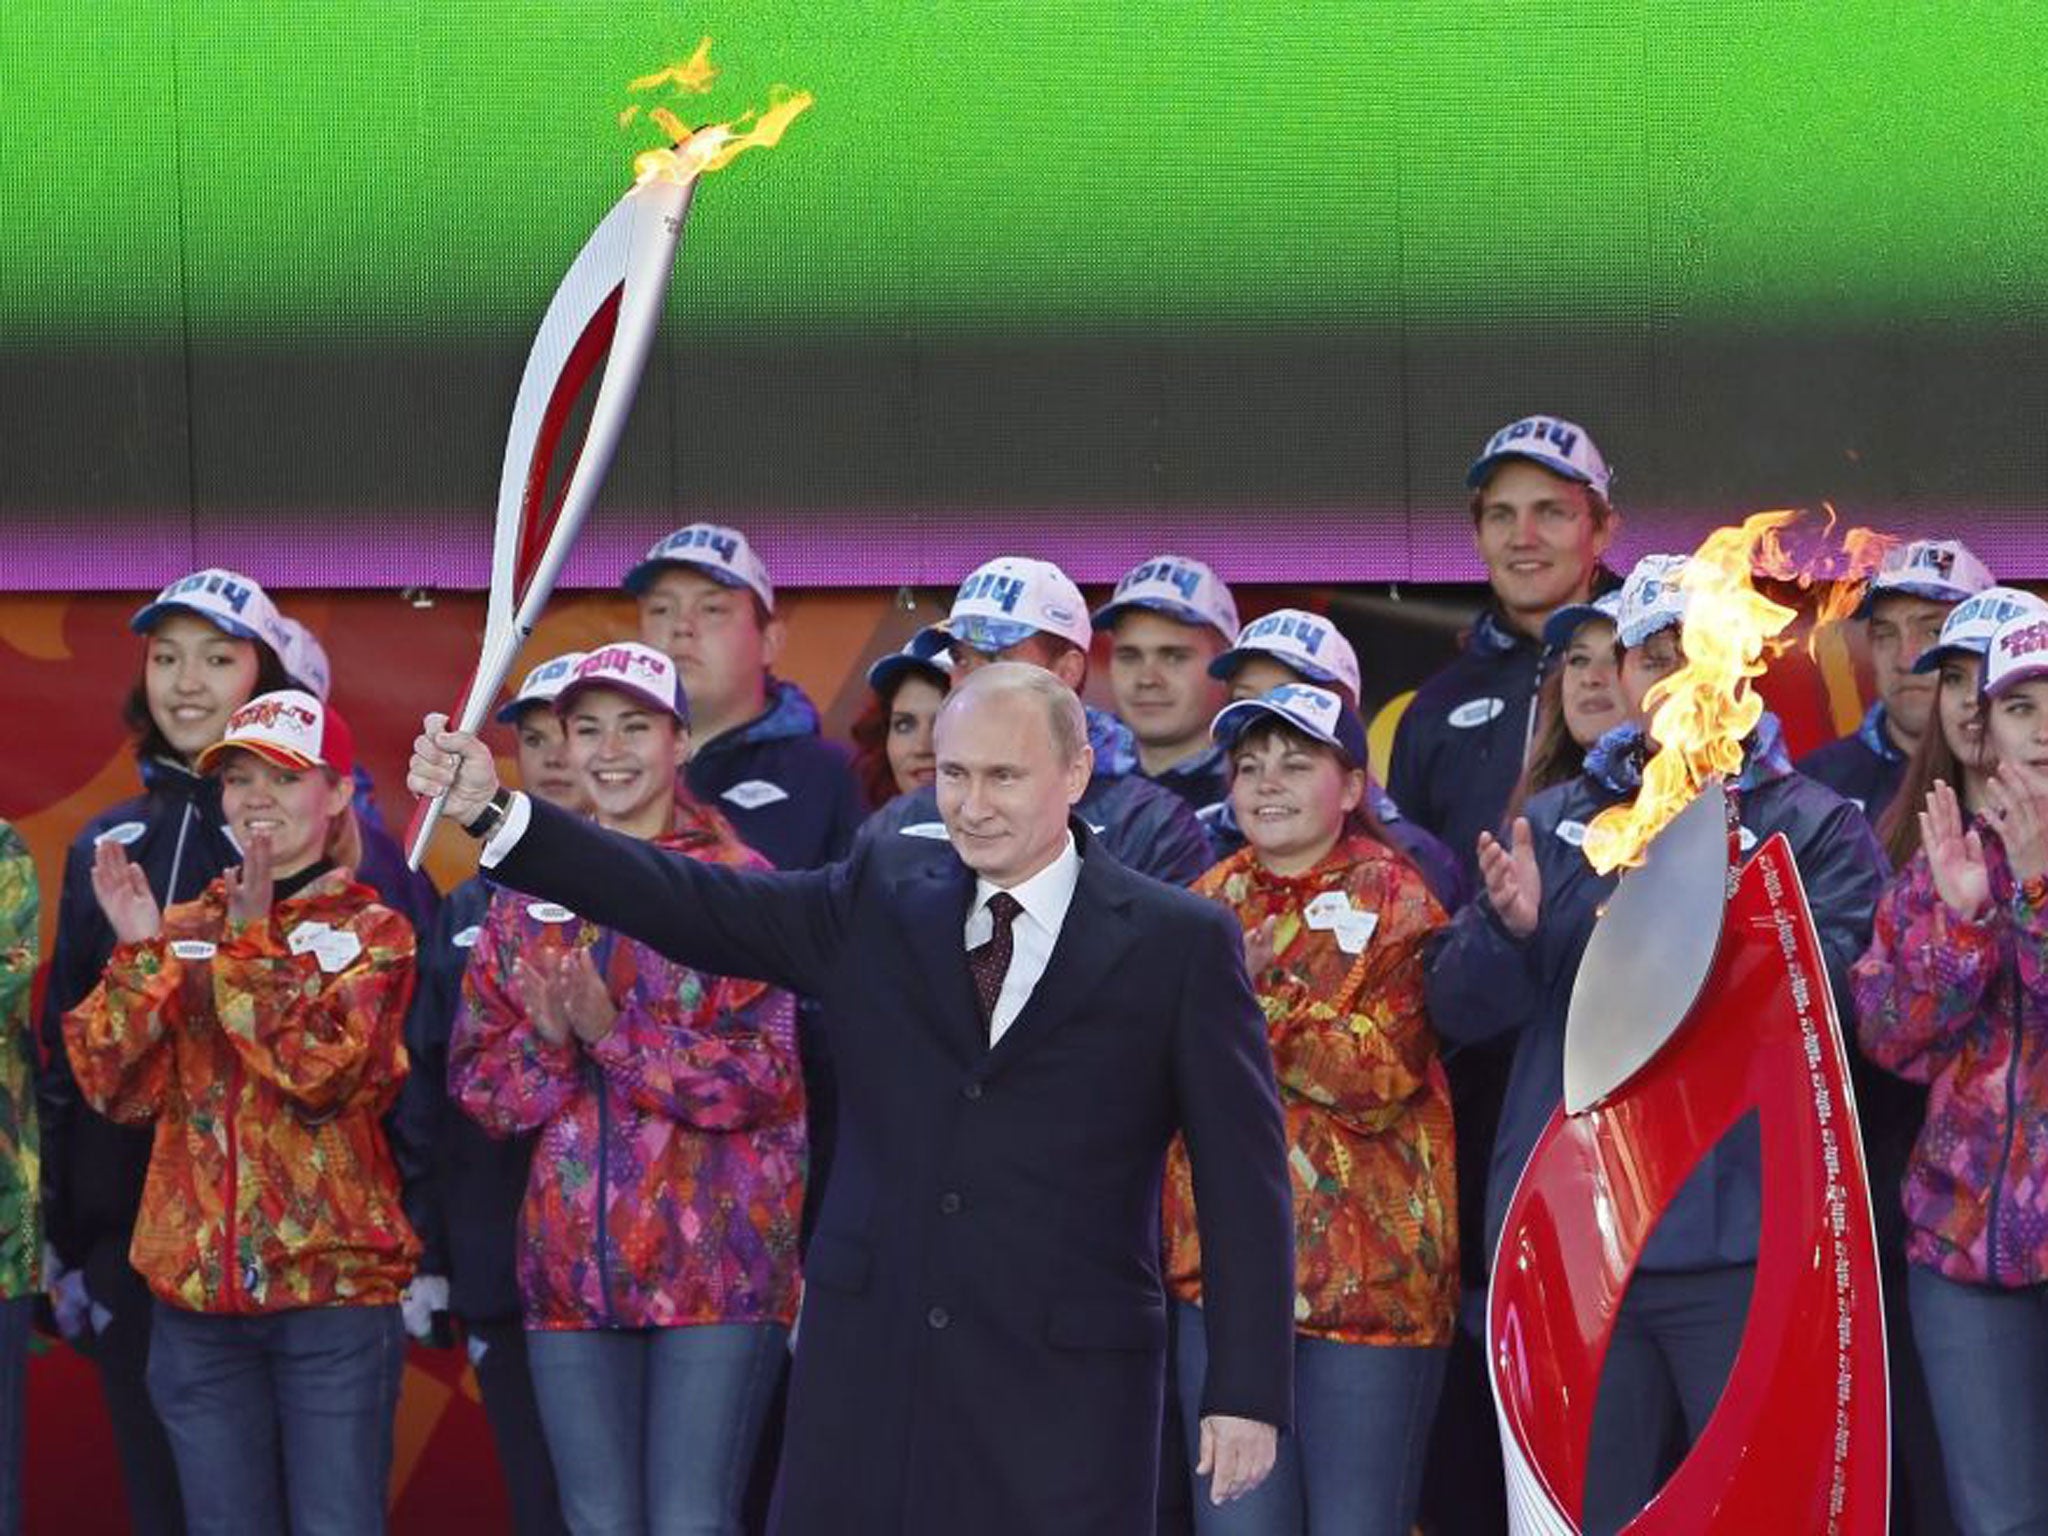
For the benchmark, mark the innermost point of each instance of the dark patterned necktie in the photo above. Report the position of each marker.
(990, 961)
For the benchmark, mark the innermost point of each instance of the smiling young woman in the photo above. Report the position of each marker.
(256, 1029)
(1334, 922)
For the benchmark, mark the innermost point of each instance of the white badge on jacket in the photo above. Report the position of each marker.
(1332, 912)
(752, 794)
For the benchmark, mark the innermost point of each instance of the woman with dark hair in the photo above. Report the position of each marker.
(1579, 701)
(892, 738)
(212, 641)
(255, 1031)
(1334, 921)
(1955, 752)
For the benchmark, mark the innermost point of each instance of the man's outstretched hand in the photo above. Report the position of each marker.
(453, 762)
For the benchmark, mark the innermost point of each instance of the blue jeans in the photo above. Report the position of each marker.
(1673, 1347)
(1986, 1354)
(284, 1414)
(1352, 1463)
(15, 1316)
(653, 1429)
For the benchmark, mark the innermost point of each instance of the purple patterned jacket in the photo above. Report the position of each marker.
(1963, 1007)
(668, 1178)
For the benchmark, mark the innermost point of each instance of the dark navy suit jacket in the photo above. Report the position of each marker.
(984, 1327)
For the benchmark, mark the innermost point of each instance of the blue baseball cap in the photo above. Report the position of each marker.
(1315, 712)
(888, 672)
(1559, 628)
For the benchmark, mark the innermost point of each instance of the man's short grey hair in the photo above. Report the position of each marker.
(1064, 717)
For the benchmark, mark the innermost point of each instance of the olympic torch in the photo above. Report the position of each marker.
(604, 314)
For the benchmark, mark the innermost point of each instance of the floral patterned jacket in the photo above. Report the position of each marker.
(21, 1231)
(667, 1183)
(1963, 1007)
(266, 1058)
(1368, 1110)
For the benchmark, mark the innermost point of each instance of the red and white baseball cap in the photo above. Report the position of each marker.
(636, 670)
(290, 728)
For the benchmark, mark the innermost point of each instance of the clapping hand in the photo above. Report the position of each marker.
(124, 895)
(564, 995)
(1955, 854)
(1514, 885)
(1259, 947)
(249, 888)
(2016, 808)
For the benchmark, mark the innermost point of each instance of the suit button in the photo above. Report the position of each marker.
(938, 1317)
(971, 1091)
(949, 1204)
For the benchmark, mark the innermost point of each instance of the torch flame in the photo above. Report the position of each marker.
(1700, 714)
(691, 153)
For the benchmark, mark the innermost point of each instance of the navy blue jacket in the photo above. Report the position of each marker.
(983, 1339)
(93, 1169)
(463, 1197)
(1865, 766)
(1143, 826)
(789, 794)
(1485, 983)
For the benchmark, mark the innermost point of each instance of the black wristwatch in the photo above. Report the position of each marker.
(491, 817)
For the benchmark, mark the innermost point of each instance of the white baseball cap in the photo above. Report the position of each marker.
(543, 685)
(290, 728)
(2018, 653)
(1971, 623)
(1562, 447)
(229, 601)
(1651, 598)
(1316, 712)
(1004, 603)
(1940, 570)
(719, 552)
(1303, 642)
(304, 657)
(631, 668)
(1180, 588)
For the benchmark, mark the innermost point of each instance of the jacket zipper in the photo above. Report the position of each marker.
(231, 1271)
(604, 1158)
(2012, 1088)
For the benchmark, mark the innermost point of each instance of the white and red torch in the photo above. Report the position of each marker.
(602, 317)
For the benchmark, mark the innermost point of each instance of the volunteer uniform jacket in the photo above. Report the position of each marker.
(1144, 827)
(93, 1169)
(1483, 982)
(983, 1332)
(790, 794)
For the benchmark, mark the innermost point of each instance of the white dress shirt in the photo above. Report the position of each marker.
(1045, 898)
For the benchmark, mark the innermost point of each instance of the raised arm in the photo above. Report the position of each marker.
(779, 927)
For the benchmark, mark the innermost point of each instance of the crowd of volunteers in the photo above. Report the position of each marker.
(287, 1106)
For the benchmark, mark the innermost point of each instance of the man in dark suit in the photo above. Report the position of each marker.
(1022, 1031)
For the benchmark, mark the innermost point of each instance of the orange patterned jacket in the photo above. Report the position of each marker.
(1368, 1110)
(266, 1059)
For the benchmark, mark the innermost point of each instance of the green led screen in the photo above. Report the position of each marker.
(1132, 270)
